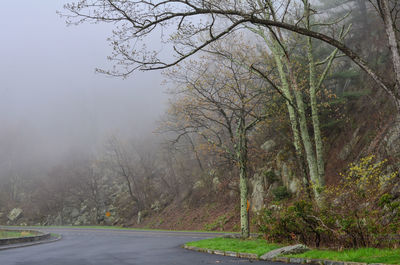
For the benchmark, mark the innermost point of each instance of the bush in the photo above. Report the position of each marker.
(280, 193)
(358, 212)
(292, 222)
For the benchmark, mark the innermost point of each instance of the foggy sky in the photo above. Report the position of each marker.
(51, 100)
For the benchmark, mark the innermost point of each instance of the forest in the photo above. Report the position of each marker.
(283, 119)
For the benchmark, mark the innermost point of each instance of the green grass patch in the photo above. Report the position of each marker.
(13, 234)
(366, 255)
(256, 246)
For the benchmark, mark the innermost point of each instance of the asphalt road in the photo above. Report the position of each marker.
(116, 247)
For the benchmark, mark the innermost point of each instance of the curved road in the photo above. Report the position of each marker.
(116, 247)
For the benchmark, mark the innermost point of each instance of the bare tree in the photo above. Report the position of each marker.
(137, 20)
(222, 103)
(124, 165)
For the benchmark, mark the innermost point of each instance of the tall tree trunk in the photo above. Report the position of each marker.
(314, 104)
(393, 45)
(278, 52)
(289, 102)
(305, 136)
(285, 87)
(310, 156)
(241, 153)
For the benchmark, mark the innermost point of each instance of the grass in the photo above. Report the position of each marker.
(54, 235)
(366, 255)
(13, 234)
(256, 246)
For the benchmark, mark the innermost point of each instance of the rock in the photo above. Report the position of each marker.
(83, 219)
(295, 249)
(347, 148)
(58, 220)
(268, 145)
(286, 164)
(396, 190)
(198, 185)
(392, 140)
(156, 206)
(74, 213)
(83, 208)
(216, 183)
(289, 179)
(14, 214)
(258, 195)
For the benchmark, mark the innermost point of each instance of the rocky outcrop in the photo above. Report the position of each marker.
(348, 148)
(285, 166)
(14, 214)
(279, 173)
(392, 140)
(258, 194)
(269, 145)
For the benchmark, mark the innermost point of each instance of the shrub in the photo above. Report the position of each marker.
(291, 222)
(358, 212)
(280, 193)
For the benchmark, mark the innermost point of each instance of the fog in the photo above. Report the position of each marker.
(52, 103)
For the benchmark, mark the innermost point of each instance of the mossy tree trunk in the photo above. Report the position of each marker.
(242, 157)
(314, 104)
(280, 59)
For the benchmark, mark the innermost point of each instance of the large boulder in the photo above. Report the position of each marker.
(348, 148)
(268, 146)
(289, 179)
(286, 165)
(392, 140)
(258, 195)
(216, 183)
(74, 213)
(295, 249)
(82, 219)
(14, 214)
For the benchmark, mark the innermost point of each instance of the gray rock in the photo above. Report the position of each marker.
(156, 206)
(331, 262)
(83, 208)
(258, 195)
(396, 190)
(295, 249)
(216, 183)
(296, 260)
(83, 219)
(74, 213)
(348, 148)
(268, 145)
(14, 214)
(392, 140)
(289, 179)
(198, 185)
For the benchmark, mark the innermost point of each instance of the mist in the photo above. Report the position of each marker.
(52, 103)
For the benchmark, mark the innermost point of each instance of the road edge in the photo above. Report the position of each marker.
(28, 244)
